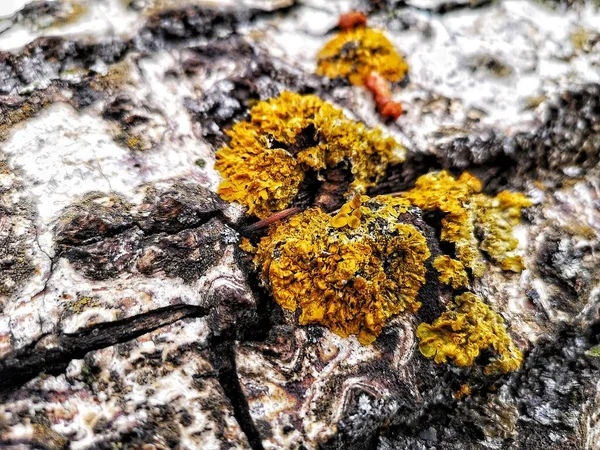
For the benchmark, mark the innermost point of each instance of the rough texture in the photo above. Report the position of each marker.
(131, 318)
(351, 271)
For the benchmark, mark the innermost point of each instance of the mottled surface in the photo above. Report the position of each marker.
(129, 318)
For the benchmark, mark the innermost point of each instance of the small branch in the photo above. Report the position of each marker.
(270, 220)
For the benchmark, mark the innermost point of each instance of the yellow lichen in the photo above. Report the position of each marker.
(349, 276)
(267, 158)
(355, 53)
(83, 303)
(466, 328)
(247, 246)
(495, 219)
(451, 271)
(468, 214)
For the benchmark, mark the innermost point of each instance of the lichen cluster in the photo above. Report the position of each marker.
(355, 53)
(467, 215)
(350, 271)
(466, 328)
(268, 156)
(354, 269)
(451, 271)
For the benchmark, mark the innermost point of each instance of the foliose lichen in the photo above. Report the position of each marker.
(350, 271)
(451, 271)
(357, 52)
(354, 269)
(268, 156)
(469, 214)
(464, 330)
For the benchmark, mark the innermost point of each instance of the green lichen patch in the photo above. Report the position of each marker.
(83, 303)
(21, 110)
(17, 233)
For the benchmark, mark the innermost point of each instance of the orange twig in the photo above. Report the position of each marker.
(382, 93)
(271, 219)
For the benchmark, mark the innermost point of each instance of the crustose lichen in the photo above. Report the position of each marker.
(268, 156)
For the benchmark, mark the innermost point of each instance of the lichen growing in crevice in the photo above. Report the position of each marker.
(354, 269)
(467, 328)
(269, 155)
(350, 271)
(472, 221)
(451, 271)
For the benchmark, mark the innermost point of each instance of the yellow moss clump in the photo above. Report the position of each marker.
(350, 271)
(466, 328)
(268, 155)
(451, 271)
(355, 53)
(467, 214)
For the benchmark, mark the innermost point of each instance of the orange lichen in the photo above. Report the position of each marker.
(268, 155)
(463, 391)
(350, 271)
(451, 271)
(357, 52)
(466, 328)
(468, 214)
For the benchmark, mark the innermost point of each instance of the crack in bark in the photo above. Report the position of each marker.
(26, 363)
(222, 356)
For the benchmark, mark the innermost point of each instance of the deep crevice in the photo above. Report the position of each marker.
(222, 356)
(28, 362)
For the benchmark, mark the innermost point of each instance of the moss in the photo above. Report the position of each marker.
(350, 271)
(452, 272)
(466, 328)
(468, 214)
(355, 53)
(268, 156)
